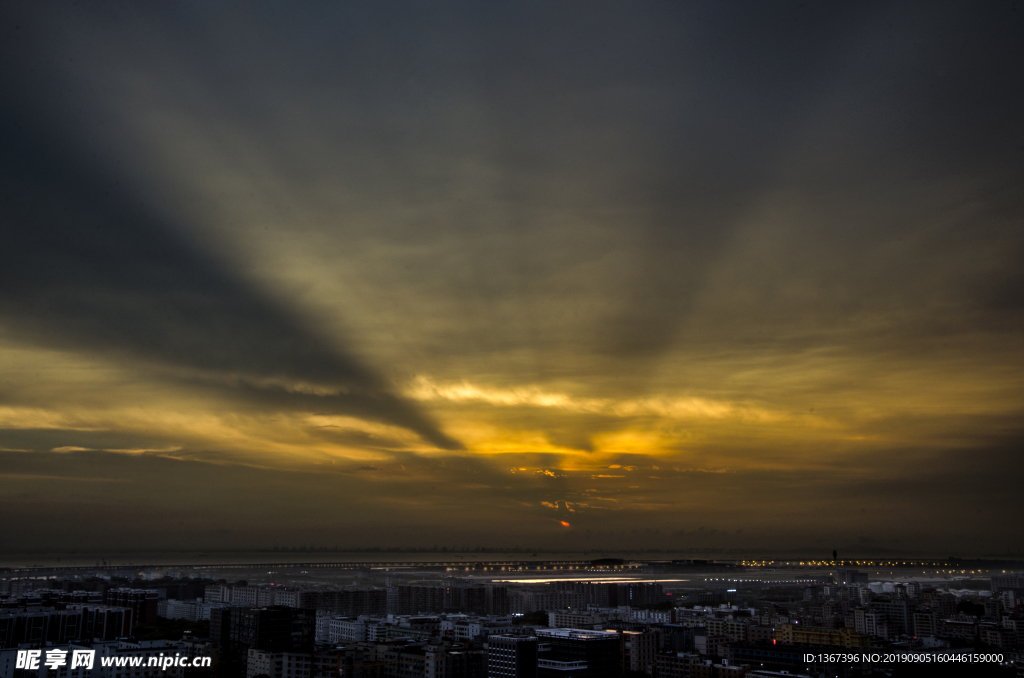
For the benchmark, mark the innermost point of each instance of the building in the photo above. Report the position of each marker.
(76, 623)
(418, 600)
(467, 628)
(997, 636)
(870, 622)
(790, 634)
(39, 626)
(677, 638)
(964, 628)
(768, 657)
(272, 630)
(348, 602)
(708, 670)
(344, 630)
(1008, 580)
(279, 664)
(850, 577)
(616, 595)
(926, 622)
(709, 646)
(399, 660)
(759, 634)
(652, 616)
(511, 656)
(578, 653)
(899, 614)
(876, 625)
(142, 603)
(640, 650)
(524, 601)
(461, 595)
(220, 627)
(576, 620)
(675, 664)
(104, 622)
(457, 661)
(217, 593)
(191, 610)
(735, 630)
(638, 594)
(334, 629)
(247, 596)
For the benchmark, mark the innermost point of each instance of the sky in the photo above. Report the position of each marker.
(679, 276)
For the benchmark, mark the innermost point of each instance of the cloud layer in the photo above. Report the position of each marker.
(696, 276)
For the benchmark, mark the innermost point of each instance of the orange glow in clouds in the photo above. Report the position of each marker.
(564, 524)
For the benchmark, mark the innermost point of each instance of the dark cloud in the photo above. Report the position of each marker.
(86, 266)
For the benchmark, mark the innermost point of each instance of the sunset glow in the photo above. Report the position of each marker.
(700, 277)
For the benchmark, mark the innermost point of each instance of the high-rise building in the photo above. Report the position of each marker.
(220, 626)
(639, 650)
(461, 595)
(142, 602)
(640, 594)
(103, 622)
(578, 653)
(926, 622)
(849, 577)
(232, 662)
(496, 600)
(419, 599)
(217, 593)
(512, 657)
(272, 629)
(76, 623)
(899, 614)
(1009, 580)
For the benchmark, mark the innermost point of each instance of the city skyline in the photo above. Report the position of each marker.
(640, 277)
